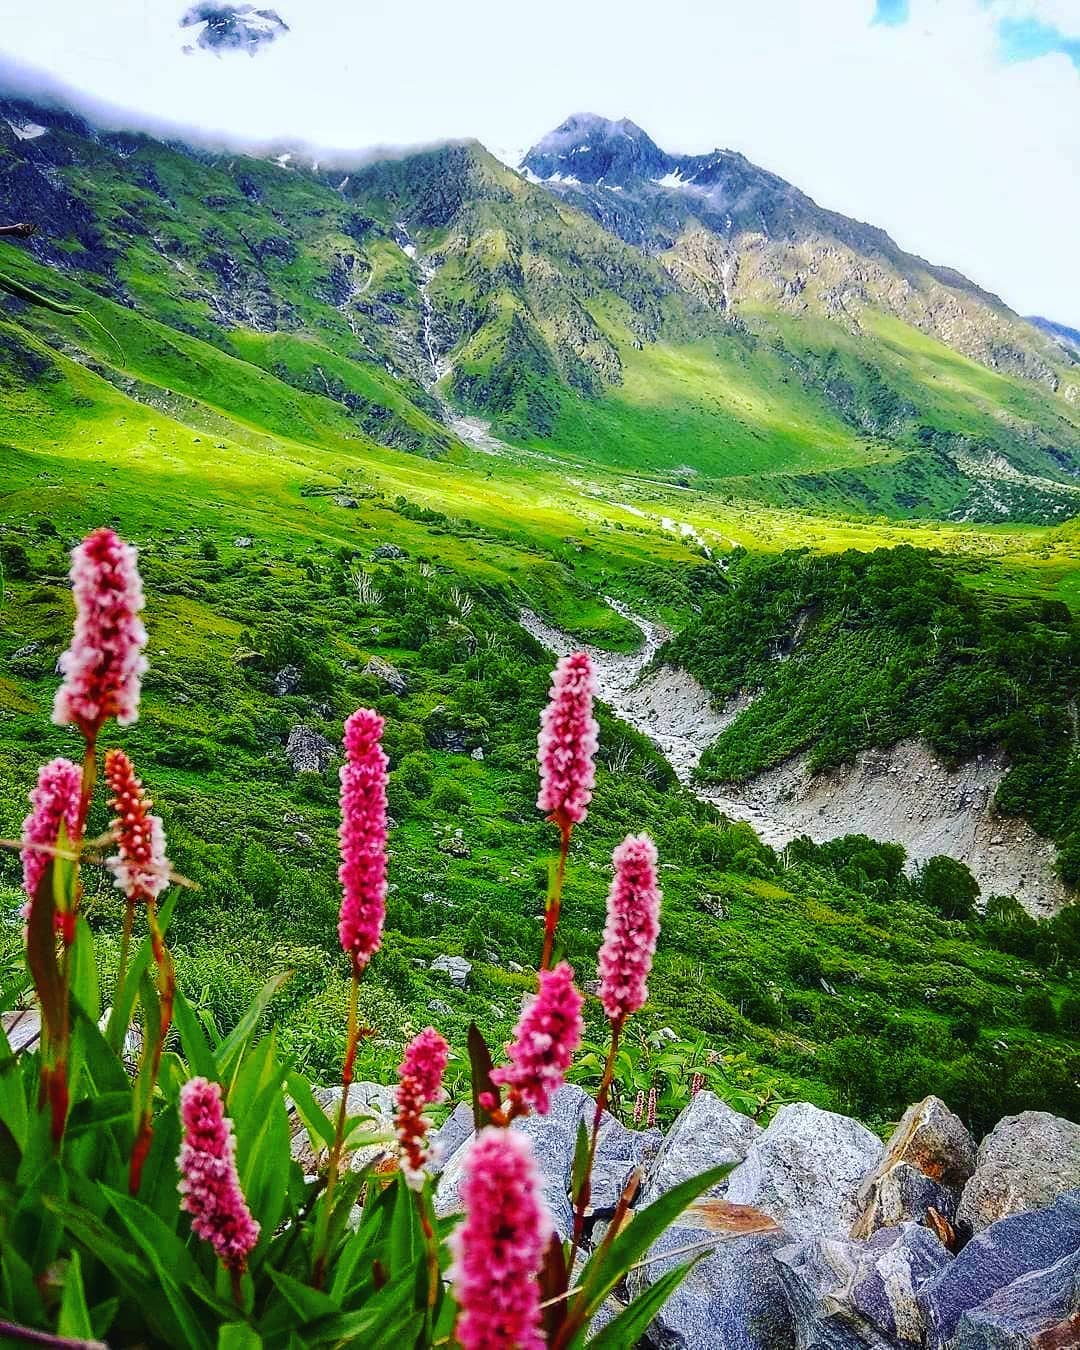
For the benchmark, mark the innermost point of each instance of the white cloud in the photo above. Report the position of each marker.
(917, 128)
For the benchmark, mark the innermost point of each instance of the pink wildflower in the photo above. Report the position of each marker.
(499, 1249)
(696, 1084)
(419, 1084)
(104, 664)
(545, 1038)
(209, 1184)
(639, 1107)
(54, 802)
(633, 925)
(650, 1113)
(567, 742)
(140, 868)
(363, 837)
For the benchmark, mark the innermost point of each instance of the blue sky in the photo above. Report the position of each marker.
(953, 124)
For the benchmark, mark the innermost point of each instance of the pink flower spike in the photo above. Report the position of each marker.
(209, 1185)
(567, 742)
(140, 868)
(545, 1038)
(363, 837)
(104, 665)
(499, 1248)
(419, 1084)
(54, 802)
(632, 928)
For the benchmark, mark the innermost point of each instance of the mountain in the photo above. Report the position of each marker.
(1069, 338)
(691, 319)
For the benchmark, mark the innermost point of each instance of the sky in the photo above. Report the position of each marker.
(953, 124)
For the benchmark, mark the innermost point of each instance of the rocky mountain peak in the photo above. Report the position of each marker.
(588, 148)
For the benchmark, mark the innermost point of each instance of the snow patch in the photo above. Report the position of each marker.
(26, 131)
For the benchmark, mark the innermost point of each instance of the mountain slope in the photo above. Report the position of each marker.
(404, 293)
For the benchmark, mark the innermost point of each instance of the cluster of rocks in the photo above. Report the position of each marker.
(822, 1238)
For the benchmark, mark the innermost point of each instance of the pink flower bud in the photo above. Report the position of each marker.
(363, 837)
(632, 928)
(140, 868)
(104, 665)
(54, 802)
(567, 742)
(419, 1084)
(499, 1248)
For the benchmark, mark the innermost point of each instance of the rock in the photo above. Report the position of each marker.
(805, 1170)
(553, 1136)
(930, 1140)
(387, 675)
(618, 1152)
(439, 1008)
(455, 846)
(478, 753)
(443, 734)
(30, 649)
(244, 541)
(845, 1294)
(349, 503)
(449, 1137)
(286, 681)
(303, 840)
(706, 1133)
(456, 967)
(308, 751)
(1040, 1310)
(1025, 1162)
(370, 1099)
(515, 968)
(1008, 1249)
(382, 552)
(732, 1299)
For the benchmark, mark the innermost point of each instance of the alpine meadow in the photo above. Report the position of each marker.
(366, 980)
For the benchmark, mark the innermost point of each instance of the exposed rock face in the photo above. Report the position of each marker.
(387, 675)
(618, 1152)
(456, 967)
(928, 1158)
(308, 751)
(805, 1170)
(1040, 1310)
(286, 681)
(733, 1298)
(846, 1294)
(1001, 1254)
(1025, 1162)
(707, 1133)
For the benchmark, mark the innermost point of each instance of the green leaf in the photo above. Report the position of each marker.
(315, 1119)
(406, 1239)
(74, 1314)
(93, 1112)
(609, 1265)
(124, 998)
(232, 1047)
(13, 1111)
(580, 1172)
(631, 1325)
(310, 1304)
(238, 1336)
(200, 1057)
(41, 950)
(84, 972)
(481, 1063)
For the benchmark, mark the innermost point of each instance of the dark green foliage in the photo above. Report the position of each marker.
(864, 649)
(947, 886)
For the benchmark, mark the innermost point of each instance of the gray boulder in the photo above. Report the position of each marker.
(847, 1295)
(308, 751)
(619, 1152)
(732, 1299)
(373, 1100)
(706, 1133)
(1013, 1247)
(456, 967)
(1040, 1310)
(553, 1137)
(387, 675)
(805, 1170)
(455, 1130)
(1025, 1162)
(286, 681)
(385, 552)
(928, 1158)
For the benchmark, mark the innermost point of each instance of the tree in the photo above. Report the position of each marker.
(948, 886)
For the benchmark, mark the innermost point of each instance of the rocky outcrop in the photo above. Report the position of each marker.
(455, 967)
(806, 1169)
(1040, 1310)
(387, 675)
(929, 1157)
(308, 751)
(707, 1133)
(995, 1259)
(1025, 1162)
